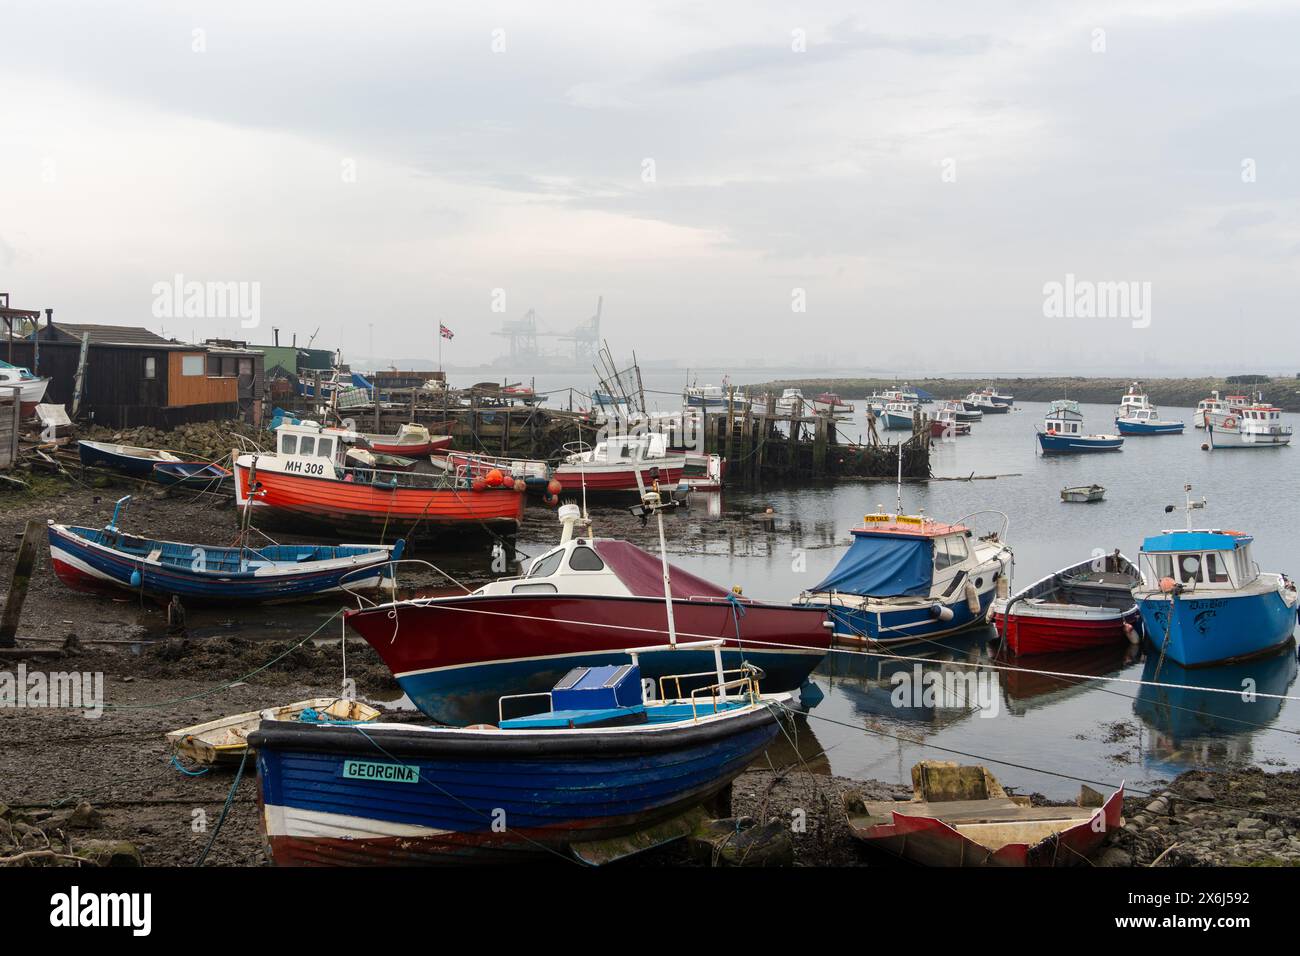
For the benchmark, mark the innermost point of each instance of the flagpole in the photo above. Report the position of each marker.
(439, 346)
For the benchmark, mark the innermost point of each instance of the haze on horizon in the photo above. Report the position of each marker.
(913, 176)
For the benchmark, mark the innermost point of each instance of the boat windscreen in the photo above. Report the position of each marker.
(880, 566)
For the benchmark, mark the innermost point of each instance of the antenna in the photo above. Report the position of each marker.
(900, 480)
(1189, 505)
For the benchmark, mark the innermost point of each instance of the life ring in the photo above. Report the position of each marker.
(1229, 422)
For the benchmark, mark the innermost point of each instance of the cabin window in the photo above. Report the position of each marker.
(1163, 565)
(1189, 569)
(585, 559)
(150, 366)
(546, 565)
(542, 588)
(1215, 569)
(288, 444)
(307, 446)
(191, 365)
(947, 552)
(325, 447)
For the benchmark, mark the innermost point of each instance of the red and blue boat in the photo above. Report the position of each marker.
(581, 604)
(599, 763)
(94, 559)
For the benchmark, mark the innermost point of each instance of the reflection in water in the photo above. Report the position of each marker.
(868, 680)
(1024, 690)
(1196, 721)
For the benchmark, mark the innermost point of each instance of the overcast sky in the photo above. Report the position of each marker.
(919, 170)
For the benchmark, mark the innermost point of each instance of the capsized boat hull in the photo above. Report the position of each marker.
(459, 798)
(455, 657)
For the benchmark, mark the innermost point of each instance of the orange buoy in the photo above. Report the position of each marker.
(478, 484)
(1167, 585)
(495, 478)
(554, 487)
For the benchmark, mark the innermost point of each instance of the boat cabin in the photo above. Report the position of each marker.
(308, 441)
(900, 556)
(1133, 401)
(1063, 418)
(620, 448)
(1263, 419)
(1199, 560)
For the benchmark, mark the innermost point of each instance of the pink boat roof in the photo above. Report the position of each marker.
(642, 573)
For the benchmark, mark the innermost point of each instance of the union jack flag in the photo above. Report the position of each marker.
(445, 332)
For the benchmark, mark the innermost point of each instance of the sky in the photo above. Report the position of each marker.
(901, 187)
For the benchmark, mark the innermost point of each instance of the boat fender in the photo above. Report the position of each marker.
(1131, 633)
(941, 613)
(520, 485)
(972, 598)
(553, 489)
(135, 579)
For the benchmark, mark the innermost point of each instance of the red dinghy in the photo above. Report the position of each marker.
(411, 441)
(1085, 605)
(962, 816)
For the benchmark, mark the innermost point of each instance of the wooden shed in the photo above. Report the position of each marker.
(132, 376)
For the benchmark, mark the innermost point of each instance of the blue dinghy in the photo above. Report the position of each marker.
(1204, 600)
(128, 459)
(601, 773)
(94, 558)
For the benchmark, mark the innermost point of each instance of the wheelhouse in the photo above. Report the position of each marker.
(1199, 560)
(1063, 418)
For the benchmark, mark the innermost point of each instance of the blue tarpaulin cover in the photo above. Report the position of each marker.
(883, 566)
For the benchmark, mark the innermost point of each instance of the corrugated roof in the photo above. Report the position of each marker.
(113, 334)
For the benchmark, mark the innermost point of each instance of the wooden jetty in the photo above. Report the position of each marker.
(773, 444)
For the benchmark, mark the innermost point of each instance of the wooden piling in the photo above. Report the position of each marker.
(22, 577)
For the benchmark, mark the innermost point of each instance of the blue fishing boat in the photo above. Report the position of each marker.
(190, 474)
(1137, 416)
(127, 459)
(95, 558)
(1063, 432)
(1204, 600)
(601, 772)
(906, 577)
(897, 416)
(1146, 421)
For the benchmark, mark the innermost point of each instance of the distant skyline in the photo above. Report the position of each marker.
(1107, 188)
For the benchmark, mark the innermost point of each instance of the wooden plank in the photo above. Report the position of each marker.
(22, 576)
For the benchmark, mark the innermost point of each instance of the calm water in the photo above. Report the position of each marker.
(1104, 732)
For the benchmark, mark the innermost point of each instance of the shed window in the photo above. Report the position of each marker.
(192, 365)
(150, 366)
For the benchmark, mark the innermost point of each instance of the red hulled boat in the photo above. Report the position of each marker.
(307, 480)
(583, 603)
(612, 466)
(1084, 605)
(411, 441)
